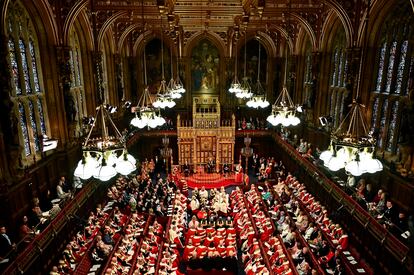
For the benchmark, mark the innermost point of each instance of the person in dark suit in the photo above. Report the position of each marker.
(186, 169)
(226, 169)
(6, 245)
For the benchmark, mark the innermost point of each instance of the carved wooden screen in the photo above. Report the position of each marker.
(225, 151)
(206, 148)
(186, 153)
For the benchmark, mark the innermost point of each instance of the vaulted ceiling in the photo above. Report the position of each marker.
(181, 19)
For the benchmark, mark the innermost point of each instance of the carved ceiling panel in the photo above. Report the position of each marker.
(183, 18)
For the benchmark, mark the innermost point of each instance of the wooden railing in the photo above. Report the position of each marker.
(33, 252)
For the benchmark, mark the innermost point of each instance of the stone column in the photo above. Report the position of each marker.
(9, 142)
(98, 73)
(311, 115)
(65, 83)
(119, 77)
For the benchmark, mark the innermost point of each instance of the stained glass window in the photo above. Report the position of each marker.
(25, 66)
(335, 62)
(374, 114)
(41, 116)
(14, 68)
(341, 62)
(333, 103)
(381, 66)
(78, 69)
(392, 126)
(308, 72)
(26, 75)
(338, 108)
(394, 66)
(72, 69)
(34, 66)
(383, 122)
(403, 56)
(411, 71)
(391, 62)
(33, 123)
(25, 132)
(345, 70)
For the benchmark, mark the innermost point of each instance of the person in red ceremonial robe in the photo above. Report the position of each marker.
(202, 214)
(209, 240)
(190, 233)
(231, 250)
(188, 250)
(196, 240)
(230, 240)
(211, 230)
(201, 251)
(218, 239)
(222, 249)
(239, 173)
(343, 242)
(246, 180)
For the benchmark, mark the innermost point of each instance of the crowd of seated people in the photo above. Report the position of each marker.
(263, 223)
(176, 229)
(203, 201)
(144, 194)
(108, 235)
(377, 203)
(210, 238)
(286, 227)
(279, 262)
(267, 168)
(252, 124)
(42, 212)
(252, 257)
(170, 255)
(79, 244)
(121, 261)
(147, 257)
(326, 239)
(380, 206)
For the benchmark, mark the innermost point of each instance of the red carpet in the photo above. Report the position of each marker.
(210, 181)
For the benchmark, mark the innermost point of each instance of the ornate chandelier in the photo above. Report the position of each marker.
(242, 90)
(352, 146)
(146, 114)
(105, 156)
(175, 86)
(259, 98)
(283, 110)
(235, 84)
(165, 93)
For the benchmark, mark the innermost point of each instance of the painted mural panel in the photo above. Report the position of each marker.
(205, 62)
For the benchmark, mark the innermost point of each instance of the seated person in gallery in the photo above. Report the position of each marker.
(186, 169)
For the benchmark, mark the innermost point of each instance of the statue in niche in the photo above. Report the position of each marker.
(205, 67)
